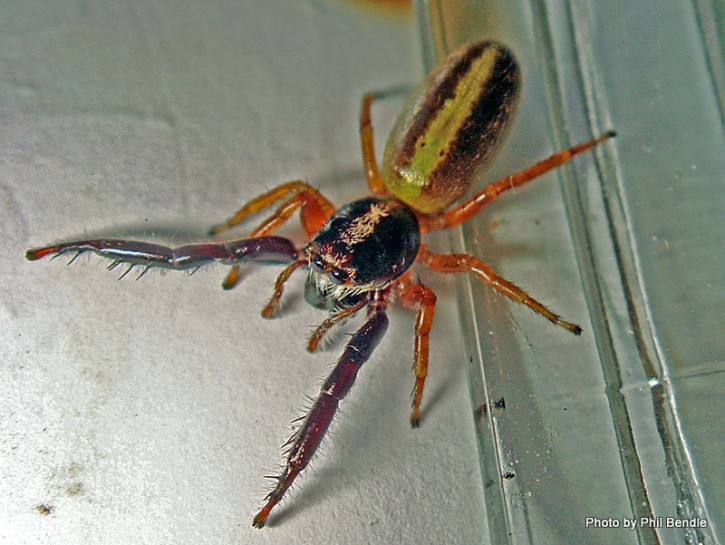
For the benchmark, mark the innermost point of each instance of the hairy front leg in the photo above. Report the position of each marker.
(147, 255)
(307, 438)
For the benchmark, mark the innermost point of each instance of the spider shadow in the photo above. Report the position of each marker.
(171, 231)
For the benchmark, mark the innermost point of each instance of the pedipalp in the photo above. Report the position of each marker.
(272, 307)
(336, 318)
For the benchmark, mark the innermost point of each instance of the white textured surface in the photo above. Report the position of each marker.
(147, 412)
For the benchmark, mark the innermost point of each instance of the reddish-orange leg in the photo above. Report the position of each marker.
(457, 263)
(370, 165)
(314, 210)
(423, 299)
(270, 310)
(340, 316)
(471, 207)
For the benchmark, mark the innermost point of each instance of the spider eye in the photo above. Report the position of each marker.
(339, 276)
(317, 264)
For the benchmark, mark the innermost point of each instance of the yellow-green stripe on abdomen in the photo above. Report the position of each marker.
(450, 127)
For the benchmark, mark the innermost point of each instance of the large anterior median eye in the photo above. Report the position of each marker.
(339, 276)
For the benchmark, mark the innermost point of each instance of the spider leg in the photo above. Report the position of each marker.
(491, 192)
(305, 441)
(314, 210)
(370, 164)
(190, 256)
(335, 318)
(423, 299)
(455, 263)
(270, 310)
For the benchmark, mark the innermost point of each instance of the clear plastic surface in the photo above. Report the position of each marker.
(614, 437)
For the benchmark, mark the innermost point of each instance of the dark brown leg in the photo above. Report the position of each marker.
(306, 440)
(192, 256)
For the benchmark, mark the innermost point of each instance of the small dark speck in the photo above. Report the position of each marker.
(74, 489)
(489, 483)
(483, 409)
(565, 408)
(509, 475)
(44, 509)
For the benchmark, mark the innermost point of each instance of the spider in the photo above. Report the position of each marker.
(359, 256)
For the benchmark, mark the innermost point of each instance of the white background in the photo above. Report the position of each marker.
(148, 412)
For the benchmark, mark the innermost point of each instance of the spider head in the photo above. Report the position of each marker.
(362, 247)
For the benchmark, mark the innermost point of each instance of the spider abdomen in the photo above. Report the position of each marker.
(449, 129)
